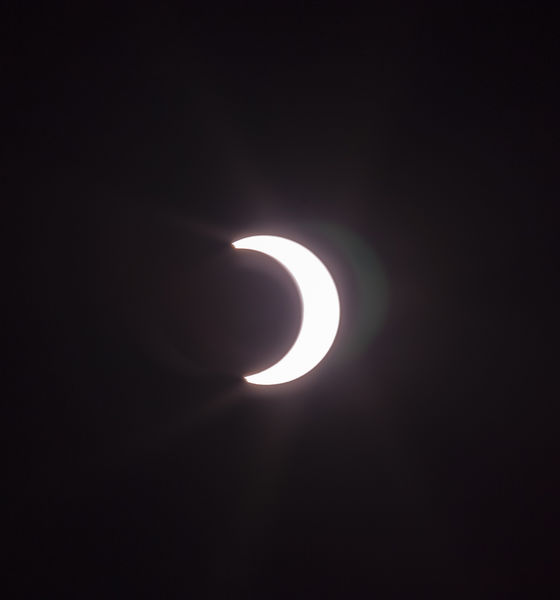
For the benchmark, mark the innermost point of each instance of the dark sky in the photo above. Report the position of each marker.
(410, 148)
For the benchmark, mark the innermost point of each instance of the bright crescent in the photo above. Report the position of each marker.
(320, 307)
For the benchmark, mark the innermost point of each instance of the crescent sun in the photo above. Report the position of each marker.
(320, 307)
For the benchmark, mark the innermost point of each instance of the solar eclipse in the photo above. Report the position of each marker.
(320, 308)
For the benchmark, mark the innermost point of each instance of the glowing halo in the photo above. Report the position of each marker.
(320, 307)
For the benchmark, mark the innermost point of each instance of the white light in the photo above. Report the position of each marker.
(320, 307)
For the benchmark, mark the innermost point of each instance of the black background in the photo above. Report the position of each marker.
(137, 147)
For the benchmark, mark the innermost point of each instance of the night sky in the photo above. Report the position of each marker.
(408, 147)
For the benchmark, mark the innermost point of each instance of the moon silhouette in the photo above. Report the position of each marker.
(320, 307)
